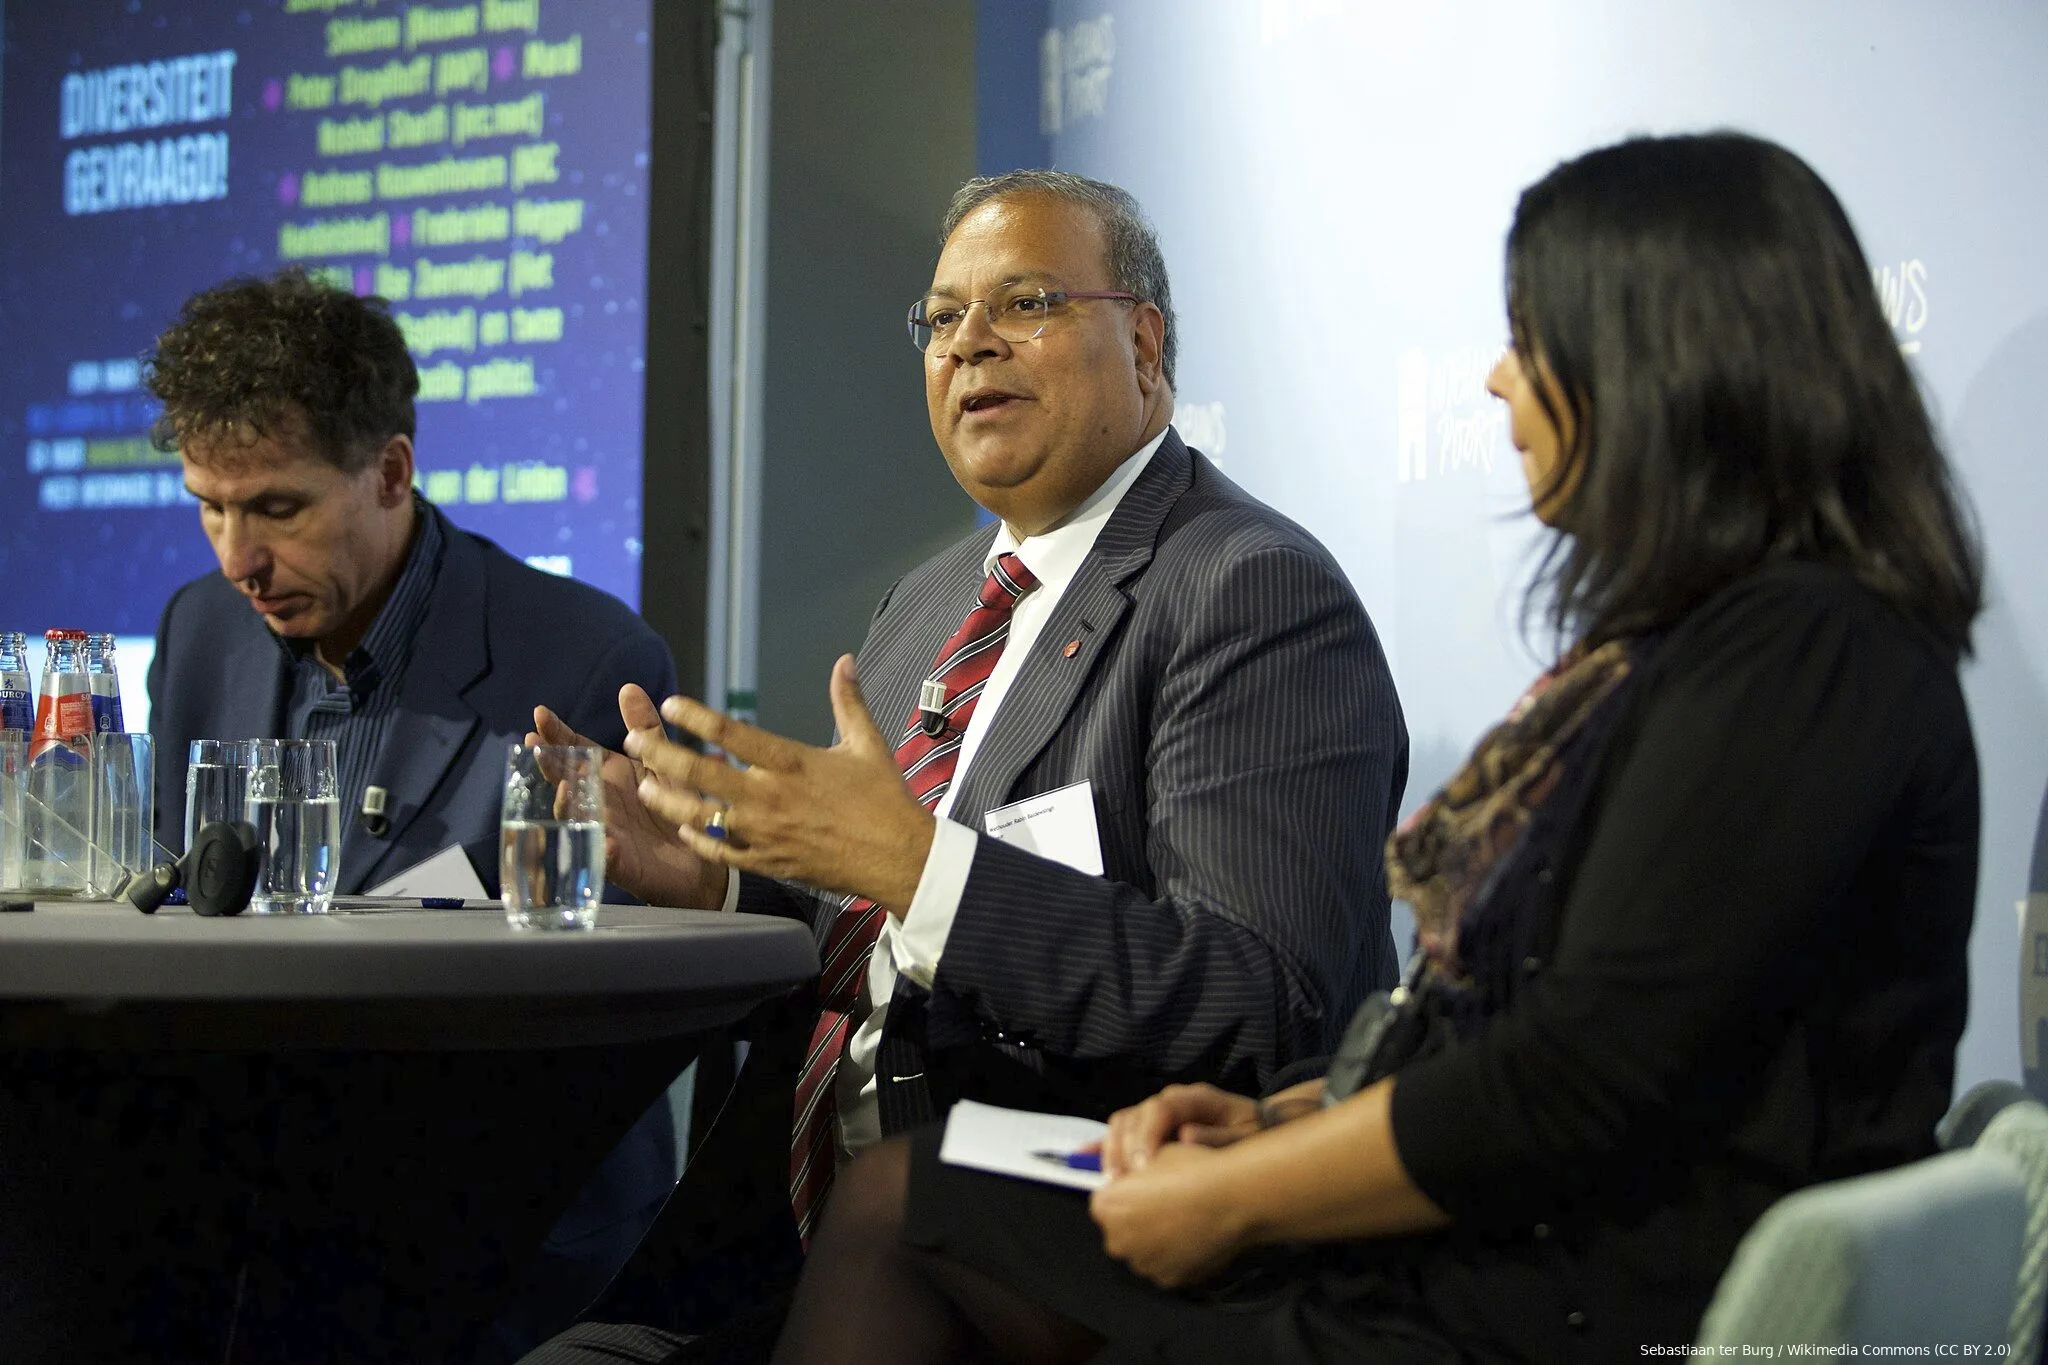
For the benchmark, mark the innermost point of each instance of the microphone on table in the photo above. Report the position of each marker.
(217, 874)
(375, 824)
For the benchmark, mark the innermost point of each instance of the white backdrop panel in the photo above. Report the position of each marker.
(1333, 183)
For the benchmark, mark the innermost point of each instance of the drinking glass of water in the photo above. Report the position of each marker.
(123, 774)
(14, 752)
(215, 772)
(291, 798)
(551, 840)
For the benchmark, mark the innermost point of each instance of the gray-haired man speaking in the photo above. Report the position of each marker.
(1113, 776)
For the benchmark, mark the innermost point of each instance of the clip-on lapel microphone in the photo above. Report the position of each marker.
(375, 822)
(931, 707)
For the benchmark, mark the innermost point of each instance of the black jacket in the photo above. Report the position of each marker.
(1751, 977)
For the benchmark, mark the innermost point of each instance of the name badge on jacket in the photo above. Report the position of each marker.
(1059, 824)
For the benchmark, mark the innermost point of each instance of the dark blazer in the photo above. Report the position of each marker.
(498, 639)
(1749, 973)
(1212, 672)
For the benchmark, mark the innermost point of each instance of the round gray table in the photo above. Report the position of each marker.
(103, 975)
(326, 1137)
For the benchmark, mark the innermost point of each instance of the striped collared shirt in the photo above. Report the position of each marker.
(356, 710)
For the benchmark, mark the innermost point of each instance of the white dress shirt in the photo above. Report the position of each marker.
(913, 945)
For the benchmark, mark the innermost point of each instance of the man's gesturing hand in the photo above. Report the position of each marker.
(840, 819)
(641, 850)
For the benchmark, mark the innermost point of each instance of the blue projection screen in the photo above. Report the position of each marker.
(483, 166)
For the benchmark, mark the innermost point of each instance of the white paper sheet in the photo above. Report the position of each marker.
(988, 1138)
(1059, 824)
(447, 873)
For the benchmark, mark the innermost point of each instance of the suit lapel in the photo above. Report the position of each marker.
(1090, 613)
(434, 720)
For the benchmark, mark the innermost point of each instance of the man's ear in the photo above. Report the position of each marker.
(394, 471)
(1148, 342)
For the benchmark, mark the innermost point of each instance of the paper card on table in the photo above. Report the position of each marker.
(988, 1138)
(1059, 824)
(447, 873)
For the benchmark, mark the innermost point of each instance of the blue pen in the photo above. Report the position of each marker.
(1073, 1161)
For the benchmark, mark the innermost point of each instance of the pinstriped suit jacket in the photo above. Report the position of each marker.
(1230, 703)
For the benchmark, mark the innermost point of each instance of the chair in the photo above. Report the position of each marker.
(1925, 1255)
(2020, 1133)
(1967, 1118)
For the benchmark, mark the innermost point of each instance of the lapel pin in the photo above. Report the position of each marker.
(1073, 648)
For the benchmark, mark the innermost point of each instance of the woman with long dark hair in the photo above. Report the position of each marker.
(1695, 913)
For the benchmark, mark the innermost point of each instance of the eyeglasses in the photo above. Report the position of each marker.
(1016, 314)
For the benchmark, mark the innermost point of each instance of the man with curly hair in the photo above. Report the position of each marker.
(349, 608)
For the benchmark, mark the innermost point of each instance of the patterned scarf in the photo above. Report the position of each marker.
(1450, 857)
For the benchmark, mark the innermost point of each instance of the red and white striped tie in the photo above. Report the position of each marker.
(928, 761)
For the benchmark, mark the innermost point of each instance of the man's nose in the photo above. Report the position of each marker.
(975, 338)
(242, 552)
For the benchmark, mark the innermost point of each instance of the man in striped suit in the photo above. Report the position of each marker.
(1180, 678)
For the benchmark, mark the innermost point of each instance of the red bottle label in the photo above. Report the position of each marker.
(62, 721)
